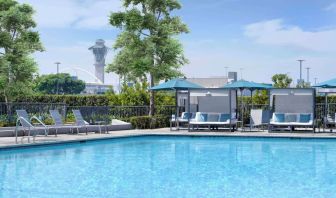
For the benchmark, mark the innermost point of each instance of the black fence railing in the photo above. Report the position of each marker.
(95, 113)
(90, 113)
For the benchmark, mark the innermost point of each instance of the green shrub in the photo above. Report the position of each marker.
(149, 122)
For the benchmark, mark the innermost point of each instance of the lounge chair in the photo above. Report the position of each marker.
(214, 120)
(84, 124)
(259, 118)
(331, 121)
(292, 121)
(25, 123)
(58, 121)
(184, 119)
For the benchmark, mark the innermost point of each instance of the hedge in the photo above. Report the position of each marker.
(149, 122)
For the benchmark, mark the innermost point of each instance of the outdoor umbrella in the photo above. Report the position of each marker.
(330, 84)
(243, 84)
(176, 84)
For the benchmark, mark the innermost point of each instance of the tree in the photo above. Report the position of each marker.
(281, 81)
(47, 84)
(147, 45)
(18, 41)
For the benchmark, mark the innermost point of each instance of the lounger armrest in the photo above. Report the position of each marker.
(38, 120)
(20, 119)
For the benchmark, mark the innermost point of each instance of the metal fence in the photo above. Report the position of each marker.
(94, 113)
(8, 110)
(244, 110)
(90, 113)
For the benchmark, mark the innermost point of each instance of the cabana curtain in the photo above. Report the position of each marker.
(213, 100)
(293, 100)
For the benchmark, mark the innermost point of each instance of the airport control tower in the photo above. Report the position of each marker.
(99, 51)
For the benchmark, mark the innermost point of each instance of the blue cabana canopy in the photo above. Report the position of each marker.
(327, 84)
(243, 84)
(176, 84)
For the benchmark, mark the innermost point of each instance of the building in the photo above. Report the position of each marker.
(215, 82)
(96, 88)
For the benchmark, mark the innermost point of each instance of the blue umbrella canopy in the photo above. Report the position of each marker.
(327, 84)
(243, 84)
(176, 84)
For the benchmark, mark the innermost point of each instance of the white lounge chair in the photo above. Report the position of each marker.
(58, 122)
(24, 122)
(84, 124)
(184, 119)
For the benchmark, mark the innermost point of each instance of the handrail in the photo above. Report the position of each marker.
(39, 121)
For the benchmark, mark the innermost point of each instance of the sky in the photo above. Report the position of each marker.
(256, 38)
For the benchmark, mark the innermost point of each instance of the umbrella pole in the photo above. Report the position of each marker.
(242, 108)
(325, 111)
(176, 111)
(251, 109)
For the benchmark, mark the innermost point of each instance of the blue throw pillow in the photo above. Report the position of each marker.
(304, 118)
(279, 117)
(224, 117)
(203, 117)
(186, 115)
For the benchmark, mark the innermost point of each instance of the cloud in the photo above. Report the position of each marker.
(331, 7)
(90, 14)
(275, 32)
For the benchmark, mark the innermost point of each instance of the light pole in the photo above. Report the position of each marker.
(57, 86)
(226, 72)
(315, 81)
(241, 73)
(300, 81)
(308, 68)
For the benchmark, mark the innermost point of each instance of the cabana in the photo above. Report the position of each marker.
(327, 87)
(181, 87)
(213, 108)
(292, 108)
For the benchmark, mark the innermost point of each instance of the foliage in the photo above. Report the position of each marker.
(281, 81)
(47, 84)
(150, 122)
(70, 100)
(260, 97)
(147, 45)
(18, 41)
(128, 97)
(138, 95)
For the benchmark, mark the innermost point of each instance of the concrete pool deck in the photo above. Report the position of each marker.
(9, 142)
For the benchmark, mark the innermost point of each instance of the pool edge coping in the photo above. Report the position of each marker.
(245, 135)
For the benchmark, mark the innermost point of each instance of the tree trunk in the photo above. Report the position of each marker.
(151, 97)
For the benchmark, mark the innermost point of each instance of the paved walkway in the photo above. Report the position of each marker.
(8, 142)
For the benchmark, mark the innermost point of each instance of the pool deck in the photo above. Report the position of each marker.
(9, 142)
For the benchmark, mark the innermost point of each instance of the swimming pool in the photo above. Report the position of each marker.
(172, 166)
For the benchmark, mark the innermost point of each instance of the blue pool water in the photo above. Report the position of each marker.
(169, 166)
